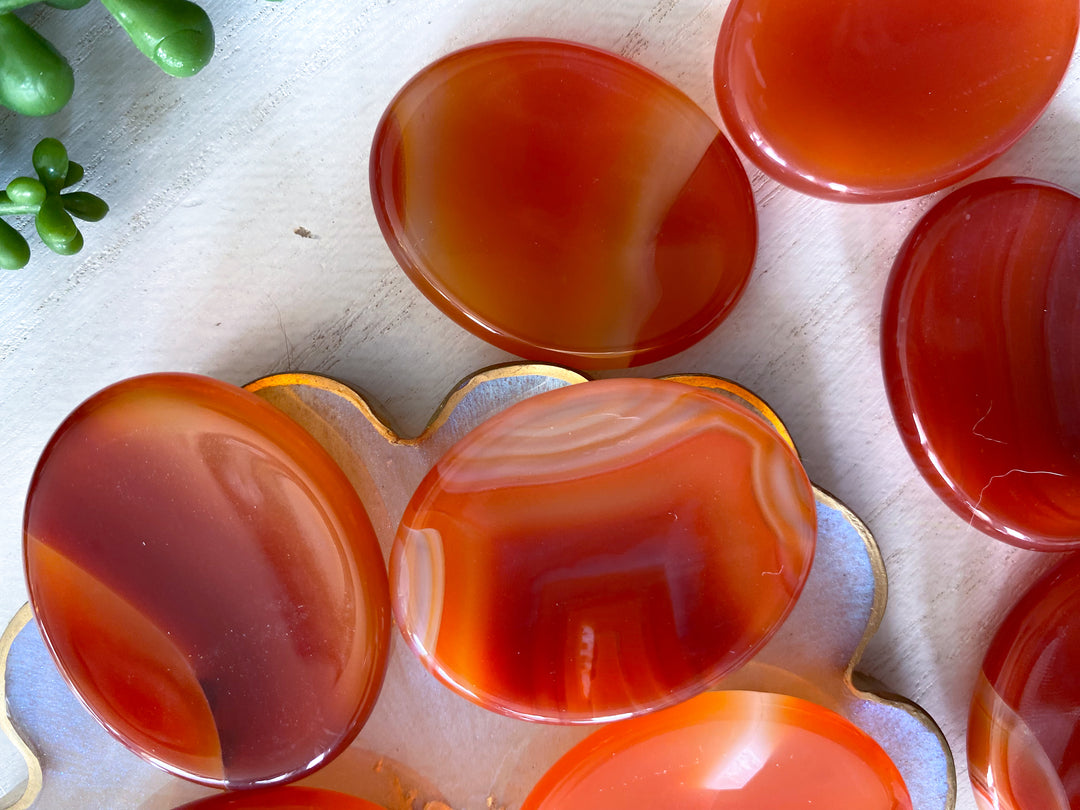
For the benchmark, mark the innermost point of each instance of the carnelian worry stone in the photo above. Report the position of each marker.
(874, 100)
(563, 203)
(981, 355)
(1024, 729)
(726, 751)
(602, 550)
(207, 580)
(282, 798)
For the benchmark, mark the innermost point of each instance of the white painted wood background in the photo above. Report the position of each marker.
(197, 268)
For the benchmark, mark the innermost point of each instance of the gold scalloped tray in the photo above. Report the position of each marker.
(423, 744)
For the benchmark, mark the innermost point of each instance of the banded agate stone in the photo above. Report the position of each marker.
(1023, 731)
(563, 203)
(726, 751)
(602, 550)
(207, 580)
(981, 356)
(875, 100)
(282, 798)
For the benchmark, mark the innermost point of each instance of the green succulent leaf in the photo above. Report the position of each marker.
(35, 79)
(74, 174)
(176, 35)
(26, 191)
(56, 227)
(50, 159)
(85, 206)
(14, 249)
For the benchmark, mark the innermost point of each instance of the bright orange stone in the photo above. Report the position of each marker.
(873, 100)
(603, 550)
(726, 751)
(563, 203)
(1024, 729)
(207, 580)
(282, 798)
(980, 341)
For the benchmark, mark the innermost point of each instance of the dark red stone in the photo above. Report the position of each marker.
(282, 798)
(981, 351)
(207, 580)
(1024, 727)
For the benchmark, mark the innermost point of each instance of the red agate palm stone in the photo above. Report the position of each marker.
(1023, 732)
(563, 203)
(207, 580)
(603, 550)
(726, 751)
(871, 100)
(981, 354)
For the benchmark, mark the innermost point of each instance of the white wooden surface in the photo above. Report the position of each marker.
(197, 268)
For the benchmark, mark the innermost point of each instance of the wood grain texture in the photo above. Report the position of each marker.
(198, 268)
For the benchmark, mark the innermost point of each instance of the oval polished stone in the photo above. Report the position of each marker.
(1024, 727)
(726, 751)
(282, 798)
(602, 550)
(874, 100)
(563, 203)
(207, 580)
(981, 355)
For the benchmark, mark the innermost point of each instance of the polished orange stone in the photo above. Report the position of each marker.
(563, 203)
(603, 550)
(981, 355)
(207, 580)
(872, 100)
(726, 751)
(1024, 728)
(282, 798)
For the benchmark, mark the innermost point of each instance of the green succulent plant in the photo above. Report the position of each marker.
(54, 210)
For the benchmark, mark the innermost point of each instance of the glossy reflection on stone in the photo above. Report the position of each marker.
(1024, 728)
(563, 203)
(602, 550)
(282, 798)
(207, 580)
(872, 100)
(981, 354)
(726, 751)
